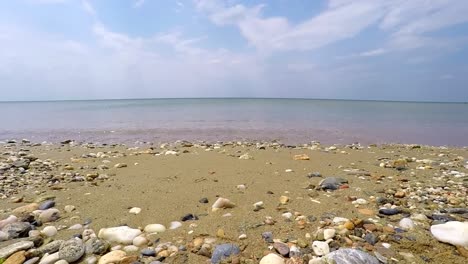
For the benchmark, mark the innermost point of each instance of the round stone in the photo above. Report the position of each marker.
(72, 250)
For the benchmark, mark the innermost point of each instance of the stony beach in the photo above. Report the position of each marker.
(232, 202)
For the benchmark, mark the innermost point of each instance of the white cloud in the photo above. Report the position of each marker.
(372, 53)
(138, 3)
(407, 22)
(88, 8)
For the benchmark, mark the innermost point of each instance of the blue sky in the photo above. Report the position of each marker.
(349, 49)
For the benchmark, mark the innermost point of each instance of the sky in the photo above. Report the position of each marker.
(414, 50)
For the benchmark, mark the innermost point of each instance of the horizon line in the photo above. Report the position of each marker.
(254, 98)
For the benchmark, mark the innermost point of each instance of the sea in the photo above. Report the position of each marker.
(291, 121)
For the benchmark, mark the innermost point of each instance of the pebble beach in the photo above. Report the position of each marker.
(232, 202)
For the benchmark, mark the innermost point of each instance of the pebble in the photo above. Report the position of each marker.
(75, 227)
(46, 205)
(140, 241)
(204, 200)
(91, 260)
(320, 248)
(49, 231)
(25, 209)
(350, 256)
(17, 229)
(17, 258)
(96, 246)
(174, 225)
(49, 215)
(154, 228)
(242, 237)
(135, 210)
(148, 252)
(389, 211)
(224, 251)
(281, 248)
(32, 260)
(272, 259)
(189, 217)
(10, 219)
(222, 203)
(72, 250)
(69, 208)
(329, 233)
(6, 251)
(130, 249)
(112, 257)
(332, 183)
(453, 232)
(3, 236)
(406, 223)
(119, 234)
(283, 199)
(49, 258)
(258, 206)
(62, 261)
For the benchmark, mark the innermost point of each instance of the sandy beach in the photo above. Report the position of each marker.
(276, 202)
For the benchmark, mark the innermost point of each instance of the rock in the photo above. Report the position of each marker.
(119, 234)
(120, 165)
(140, 241)
(46, 205)
(7, 251)
(3, 236)
(332, 183)
(350, 256)
(453, 232)
(320, 248)
(242, 237)
(49, 248)
(49, 231)
(17, 258)
(329, 233)
(135, 210)
(246, 156)
(96, 246)
(189, 217)
(26, 209)
(272, 259)
(452, 211)
(174, 225)
(281, 248)
(10, 219)
(72, 250)
(148, 252)
(371, 238)
(76, 227)
(155, 228)
(301, 157)
(17, 229)
(32, 260)
(204, 200)
(69, 208)
(268, 237)
(49, 259)
(130, 249)
(284, 199)
(61, 262)
(389, 211)
(49, 215)
(399, 194)
(224, 251)
(406, 223)
(112, 257)
(222, 203)
(258, 206)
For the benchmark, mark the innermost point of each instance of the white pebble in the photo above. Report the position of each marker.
(140, 241)
(175, 225)
(135, 210)
(130, 249)
(329, 233)
(406, 223)
(155, 228)
(320, 248)
(243, 236)
(49, 231)
(75, 227)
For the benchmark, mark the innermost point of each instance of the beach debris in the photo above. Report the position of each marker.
(222, 203)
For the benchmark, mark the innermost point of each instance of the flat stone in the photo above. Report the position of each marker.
(320, 248)
(154, 228)
(272, 259)
(453, 232)
(96, 246)
(224, 251)
(332, 183)
(112, 257)
(49, 215)
(49, 259)
(17, 258)
(390, 211)
(281, 248)
(121, 234)
(350, 256)
(26, 209)
(9, 250)
(46, 205)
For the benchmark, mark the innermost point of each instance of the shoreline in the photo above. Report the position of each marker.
(277, 201)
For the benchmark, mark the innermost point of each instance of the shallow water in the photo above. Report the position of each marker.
(289, 120)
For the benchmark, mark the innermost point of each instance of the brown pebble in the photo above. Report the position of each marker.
(400, 194)
(17, 258)
(349, 225)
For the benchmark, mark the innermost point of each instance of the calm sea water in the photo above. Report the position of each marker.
(289, 120)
